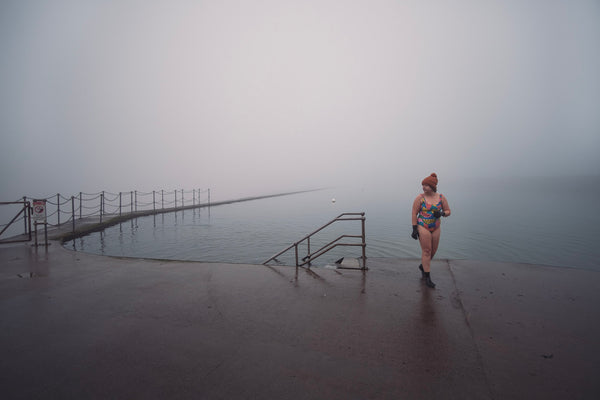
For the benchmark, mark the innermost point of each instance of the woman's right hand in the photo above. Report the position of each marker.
(415, 232)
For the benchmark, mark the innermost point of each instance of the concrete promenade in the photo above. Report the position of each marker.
(82, 326)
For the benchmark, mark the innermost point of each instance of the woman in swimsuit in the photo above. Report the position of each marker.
(427, 210)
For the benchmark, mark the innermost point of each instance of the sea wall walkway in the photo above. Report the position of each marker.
(102, 216)
(77, 325)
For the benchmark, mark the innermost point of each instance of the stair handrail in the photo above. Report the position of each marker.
(26, 211)
(329, 246)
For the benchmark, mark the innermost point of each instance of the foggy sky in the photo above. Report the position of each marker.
(257, 97)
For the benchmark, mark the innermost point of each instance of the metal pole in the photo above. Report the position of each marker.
(25, 220)
(73, 210)
(296, 248)
(162, 194)
(208, 198)
(58, 206)
(120, 202)
(80, 205)
(182, 196)
(101, 202)
(193, 197)
(364, 244)
(131, 200)
(153, 201)
(136, 200)
(35, 224)
(175, 198)
(29, 218)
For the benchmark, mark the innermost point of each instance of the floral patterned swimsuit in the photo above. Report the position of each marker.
(425, 217)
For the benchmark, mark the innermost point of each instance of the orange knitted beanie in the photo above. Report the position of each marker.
(431, 180)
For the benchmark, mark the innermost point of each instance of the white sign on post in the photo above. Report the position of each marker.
(39, 210)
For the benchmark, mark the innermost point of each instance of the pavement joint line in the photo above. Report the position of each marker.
(471, 332)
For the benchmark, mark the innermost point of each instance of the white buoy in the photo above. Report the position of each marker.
(333, 200)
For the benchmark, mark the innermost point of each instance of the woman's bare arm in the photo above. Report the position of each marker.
(446, 207)
(415, 209)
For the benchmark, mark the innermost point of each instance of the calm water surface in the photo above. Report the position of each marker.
(551, 221)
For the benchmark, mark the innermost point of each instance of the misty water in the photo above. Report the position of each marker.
(548, 221)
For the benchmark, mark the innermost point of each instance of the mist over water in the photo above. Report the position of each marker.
(255, 97)
(548, 221)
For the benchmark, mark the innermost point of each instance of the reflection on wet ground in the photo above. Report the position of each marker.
(26, 260)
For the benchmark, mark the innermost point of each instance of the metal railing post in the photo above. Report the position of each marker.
(73, 211)
(136, 200)
(120, 202)
(296, 250)
(175, 198)
(153, 201)
(131, 200)
(58, 207)
(193, 197)
(364, 244)
(25, 220)
(162, 194)
(101, 205)
(182, 197)
(28, 217)
(80, 205)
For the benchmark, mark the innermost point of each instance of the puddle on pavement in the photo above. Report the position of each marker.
(31, 275)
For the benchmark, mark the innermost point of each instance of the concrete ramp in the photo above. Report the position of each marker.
(84, 326)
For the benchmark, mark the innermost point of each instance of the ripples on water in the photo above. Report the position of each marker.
(537, 221)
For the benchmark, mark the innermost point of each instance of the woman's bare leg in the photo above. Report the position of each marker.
(435, 241)
(426, 241)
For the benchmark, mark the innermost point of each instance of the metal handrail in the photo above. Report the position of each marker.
(26, 211)
(329, 246)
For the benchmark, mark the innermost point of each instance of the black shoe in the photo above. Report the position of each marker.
(422, 271)
(429, 282)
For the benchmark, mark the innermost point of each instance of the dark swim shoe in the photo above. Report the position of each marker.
(422, 271)
(429, 282)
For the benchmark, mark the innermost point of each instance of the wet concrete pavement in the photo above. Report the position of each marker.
(78, 325)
